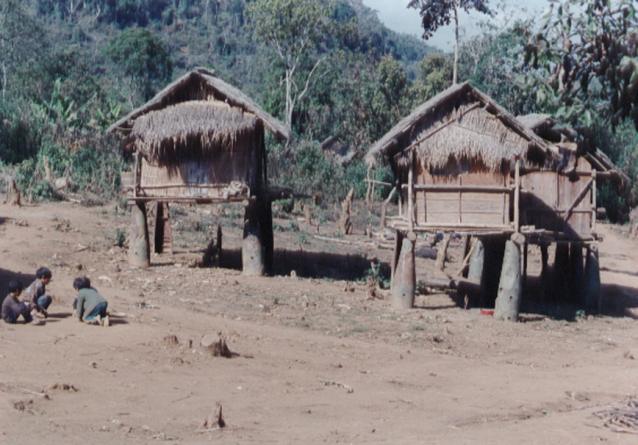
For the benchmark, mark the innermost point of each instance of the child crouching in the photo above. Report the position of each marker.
(89, 305)
(14, 308)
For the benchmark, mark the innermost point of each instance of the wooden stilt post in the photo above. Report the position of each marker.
(163, 233)
(544, 272)
(404, 283)
(494, 249)
(508, 300)
(476, 268)
(268, 236)
(466, 245)
(576, 272)
(441, 254)
(398, 243)
(525, 264)
(139, 254)
(253, 247)
(592, 280)
(219, 245)
(560, 282)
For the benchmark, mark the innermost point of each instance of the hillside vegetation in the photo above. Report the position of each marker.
(70, 68)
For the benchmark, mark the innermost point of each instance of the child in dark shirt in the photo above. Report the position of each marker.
(14, 308)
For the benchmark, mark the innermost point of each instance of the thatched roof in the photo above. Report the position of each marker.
(193, 130)
(201, 84)
(462, 123)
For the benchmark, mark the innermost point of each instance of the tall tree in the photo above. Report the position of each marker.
(143, 58)
(585, 59)
(437, 13)
(22, 44)
(295, 29)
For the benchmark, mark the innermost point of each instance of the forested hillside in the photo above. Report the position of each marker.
(69, 68)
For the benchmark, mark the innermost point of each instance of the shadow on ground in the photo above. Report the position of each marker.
(312, 264)
(617, 301)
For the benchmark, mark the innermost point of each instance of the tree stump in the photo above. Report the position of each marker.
(591, 292)
(508, 300)
(139, 254)
(345, 222)
(404, 280)
(14, 197)
(253, 253)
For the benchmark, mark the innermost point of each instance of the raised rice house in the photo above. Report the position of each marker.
(464, 164)
(200, 140)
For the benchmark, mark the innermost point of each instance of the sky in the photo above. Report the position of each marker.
(396, 16)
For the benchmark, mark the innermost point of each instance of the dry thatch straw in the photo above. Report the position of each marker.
(473, 135)
(462, 123)
(201, 84)
(193, 130)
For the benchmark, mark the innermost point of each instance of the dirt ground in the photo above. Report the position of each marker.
(319, 361)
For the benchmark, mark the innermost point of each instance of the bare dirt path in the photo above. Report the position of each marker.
(319, 362)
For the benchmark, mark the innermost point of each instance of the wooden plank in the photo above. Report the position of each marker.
(517, 195)
(411, 193)
(462, 188)
(579, 198)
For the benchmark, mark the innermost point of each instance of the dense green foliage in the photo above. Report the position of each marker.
(70, 68)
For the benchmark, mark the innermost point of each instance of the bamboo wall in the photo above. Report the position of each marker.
(226, 176)
(549, 197)
(460, 207)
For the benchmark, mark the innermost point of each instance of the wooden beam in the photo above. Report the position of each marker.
(461, 188)
(517, 195)
(594, 198)
(411, 194)
(384, 206)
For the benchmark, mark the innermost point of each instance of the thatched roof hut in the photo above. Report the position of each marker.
(202, 85)
(461, 123)
(200, 140)
(194, 129)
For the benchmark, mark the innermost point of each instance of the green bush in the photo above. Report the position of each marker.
(94, 169)
(310, 171)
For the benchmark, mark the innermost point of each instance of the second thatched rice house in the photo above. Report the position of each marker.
(200, 140)
(463, 164)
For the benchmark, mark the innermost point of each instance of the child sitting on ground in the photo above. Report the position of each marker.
(13, 307)
(89, 305)
(37, 291)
